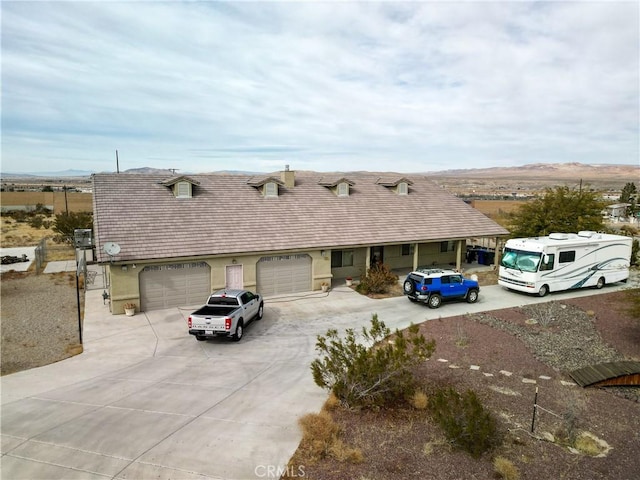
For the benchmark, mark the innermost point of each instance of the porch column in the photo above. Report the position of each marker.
(459, 255)
(367, 260)
(415, 255)
(498, 253)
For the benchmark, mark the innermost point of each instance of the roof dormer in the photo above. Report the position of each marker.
(268, 186)
(181, 187)
(398, 185)
(339, 186)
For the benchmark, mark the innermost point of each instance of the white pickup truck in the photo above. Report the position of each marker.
(226, 313)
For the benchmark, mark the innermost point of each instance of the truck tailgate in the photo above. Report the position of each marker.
(212, 323)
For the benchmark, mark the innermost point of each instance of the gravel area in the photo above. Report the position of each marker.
(39, 319)
(559, 335)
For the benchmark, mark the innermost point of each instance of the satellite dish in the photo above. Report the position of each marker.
(111, 248)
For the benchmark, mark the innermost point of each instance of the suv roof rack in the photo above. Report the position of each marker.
(430, 271)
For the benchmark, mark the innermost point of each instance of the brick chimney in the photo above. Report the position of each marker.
(288, 177)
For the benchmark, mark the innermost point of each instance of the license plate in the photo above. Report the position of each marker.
(208, 332)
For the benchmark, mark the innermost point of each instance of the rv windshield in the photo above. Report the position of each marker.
(520, 260)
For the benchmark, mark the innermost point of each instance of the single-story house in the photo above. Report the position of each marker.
(616, 210)
(169, 240)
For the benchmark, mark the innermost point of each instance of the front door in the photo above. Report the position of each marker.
(234, 277)
(377, 256)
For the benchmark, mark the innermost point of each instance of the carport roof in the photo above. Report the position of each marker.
(226, 215)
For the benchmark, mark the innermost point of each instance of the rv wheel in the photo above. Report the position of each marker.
(544, 289)
(600, 283)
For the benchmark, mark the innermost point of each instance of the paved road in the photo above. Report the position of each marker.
(145, 400)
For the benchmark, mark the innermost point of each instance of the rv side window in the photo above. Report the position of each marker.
(548, 264)
(567, 257)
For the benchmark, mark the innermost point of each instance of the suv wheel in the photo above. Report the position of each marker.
(472, 296)
(408, 287)
(434, 301)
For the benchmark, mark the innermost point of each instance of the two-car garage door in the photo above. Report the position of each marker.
(284, 274)
(164, 286)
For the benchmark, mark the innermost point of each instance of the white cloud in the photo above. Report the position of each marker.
(206, 86)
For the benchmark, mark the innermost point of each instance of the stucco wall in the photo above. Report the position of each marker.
(125, 284)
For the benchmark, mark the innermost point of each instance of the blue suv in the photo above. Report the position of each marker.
(432, 286)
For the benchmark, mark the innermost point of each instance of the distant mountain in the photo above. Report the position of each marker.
(63, 173)
(547, 171)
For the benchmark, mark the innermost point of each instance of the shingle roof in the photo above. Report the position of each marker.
(228, 216)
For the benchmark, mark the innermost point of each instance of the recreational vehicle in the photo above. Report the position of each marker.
(563, 261)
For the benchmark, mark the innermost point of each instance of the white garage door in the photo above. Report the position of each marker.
(164, 286)
(284, 274)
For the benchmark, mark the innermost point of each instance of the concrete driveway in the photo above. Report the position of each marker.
(146, 400)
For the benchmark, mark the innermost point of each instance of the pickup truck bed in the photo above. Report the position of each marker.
(225, 314)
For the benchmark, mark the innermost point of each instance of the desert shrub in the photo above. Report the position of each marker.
(41, 209)
(36, 222)
(378, 279)
(464, 420)
(505, 468)
(319, 433)
(369, 372)
(419, 400)
(66, 223)
(635, 251)
(344, 453)
(19, 216)
(632, 303)
(587, 444)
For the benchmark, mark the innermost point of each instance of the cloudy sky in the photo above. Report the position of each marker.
(408, 87)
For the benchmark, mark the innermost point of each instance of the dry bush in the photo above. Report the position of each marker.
(332, 402)
(420, 400)
(319, 432)
(462, 339)
(505, 468)
(588, 445)
(378, 279)
(320, 439)
(344, 453)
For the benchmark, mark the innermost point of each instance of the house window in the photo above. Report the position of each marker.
(341, 258)
(448, 246)
(271, 189)
(403, 188)
(343, 189)
(407, 249)
(567, 257)
(183, 190)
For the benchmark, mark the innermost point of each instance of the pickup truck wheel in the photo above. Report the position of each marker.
(239, 331)
(408, 286)
(434, 301)
(260, 312)
(201, 338)
(472, 296)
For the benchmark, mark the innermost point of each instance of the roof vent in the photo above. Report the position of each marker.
(558, 236)
(586, 233)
